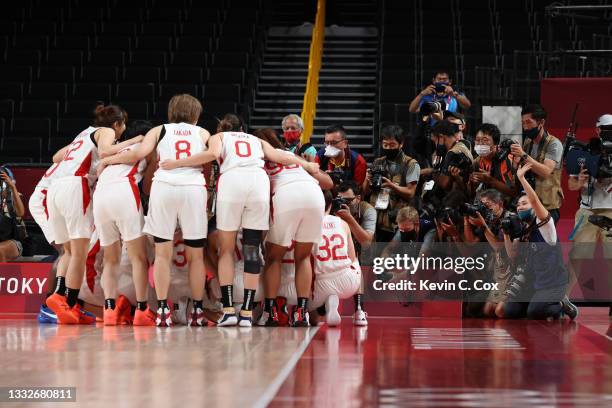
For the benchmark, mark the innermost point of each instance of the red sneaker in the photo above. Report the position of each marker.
(59, 305)
(283, 313)
(124, 308)
(83, 316)
(144, 318)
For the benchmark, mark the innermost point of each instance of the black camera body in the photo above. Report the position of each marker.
(472, 210)
(337, 176)
(336, 204)
(513, 226)
(503, 149)
(378, 172)
(458, 160)
(448, 213)
(428, 108)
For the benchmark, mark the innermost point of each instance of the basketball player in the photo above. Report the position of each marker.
(118, 188)
(337, 273)
(178, 196)
(297, 214)
(287, 294)
(243, 200)
(69, 202)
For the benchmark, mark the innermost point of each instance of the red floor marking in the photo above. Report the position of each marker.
(350, 366)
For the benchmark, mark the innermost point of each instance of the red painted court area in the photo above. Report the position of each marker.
(429, 362)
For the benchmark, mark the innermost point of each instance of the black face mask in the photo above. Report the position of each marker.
(390, 154)
(441, 150)
(408, 236)
(531, 133)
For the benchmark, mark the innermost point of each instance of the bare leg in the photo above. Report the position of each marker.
(137, 252)
(197, 277)
(227, 244)
(272, 269)
(110, 273)
(76, 265)
(161, 275)
(303, 269)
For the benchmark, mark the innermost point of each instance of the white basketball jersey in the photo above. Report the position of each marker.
(240, 150)
(331, 254)
(281, 175)
(123, 172)
(180, 140)
(47, 178)
(81, 158)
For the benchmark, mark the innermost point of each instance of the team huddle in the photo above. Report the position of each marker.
(201, 250)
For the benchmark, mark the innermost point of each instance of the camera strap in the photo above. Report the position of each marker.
(533, 226)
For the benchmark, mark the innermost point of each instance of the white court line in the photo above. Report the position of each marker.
(280, 378)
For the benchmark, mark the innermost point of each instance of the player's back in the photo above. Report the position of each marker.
(81, 158)
(178, 141)
(240, 150)
(120, 172)
(331, 253)
(282, 175)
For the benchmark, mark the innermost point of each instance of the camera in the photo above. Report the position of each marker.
(458, 160)
(603, 222)
(440, 87)
(503, 149)
(337, 176)
(337, 203)
(378, 172)
(448, 213)
(471, 210)
(427, 108)
(513, 226)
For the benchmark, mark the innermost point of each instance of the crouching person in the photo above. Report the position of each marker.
(337, 271)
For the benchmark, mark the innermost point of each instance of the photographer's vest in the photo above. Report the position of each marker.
(549, 189)
(386, 218)
(544, 261)
(459, 147)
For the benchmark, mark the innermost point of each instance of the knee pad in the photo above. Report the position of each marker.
(195, 243)
(250, 250)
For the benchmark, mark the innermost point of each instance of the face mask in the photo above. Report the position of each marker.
(531, 133)
(482, 150)
(390, 154)
(440, 150)
(291, 136)
(408, 236)
(331, 151)
(525, 215)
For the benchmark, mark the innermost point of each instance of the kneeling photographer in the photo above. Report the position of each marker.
(487, 221)
(539, 282)
(590, 172)
(12, 230)
(391, 181)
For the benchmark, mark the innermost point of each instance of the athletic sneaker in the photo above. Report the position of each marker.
(360, 318)
(164, 317)
(196, 318)
(245, 318)
(58, 304)
(46, 315)
(111, 317)
(269, 319)
(144, 318)
(124, 307)
(569, 308)
(228, 318)
(283, 312)
(300, 317)
(83, 316)
(332, 317)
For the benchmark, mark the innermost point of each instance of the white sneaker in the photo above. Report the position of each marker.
(228, 318)
(180, 311)
(360, 318)
(332, 317)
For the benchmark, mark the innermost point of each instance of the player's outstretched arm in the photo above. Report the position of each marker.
(106, 140)
(132, 156)
(275, 156)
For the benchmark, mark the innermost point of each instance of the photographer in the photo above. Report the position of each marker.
(489, 220)
(595, 199)
(293, 126)
(544, 152)
(539, 293)
(391, 182)
(412, 228)
(358, 214)
(336, 158)
(440, 90)
(12, 230)
(493, 166)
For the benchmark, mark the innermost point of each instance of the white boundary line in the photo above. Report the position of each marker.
(282, 375)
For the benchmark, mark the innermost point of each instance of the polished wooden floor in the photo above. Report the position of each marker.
(395, 362)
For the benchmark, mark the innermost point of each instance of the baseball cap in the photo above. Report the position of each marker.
(604, 120)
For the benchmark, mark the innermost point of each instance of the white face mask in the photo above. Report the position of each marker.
(331, 151)
(482, 150)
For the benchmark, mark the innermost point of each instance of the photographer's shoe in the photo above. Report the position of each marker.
(569, 308)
